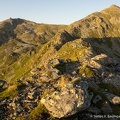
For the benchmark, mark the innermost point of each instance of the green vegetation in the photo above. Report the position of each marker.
(86, 71)
(19, 118)
(93, 34)
(76, 50)
(20, 67)
(11, 59)
(16, 59)
(39, 113)
(11, 91)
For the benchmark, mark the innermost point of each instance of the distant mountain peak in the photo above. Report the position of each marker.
(114, 6)
(111, 8)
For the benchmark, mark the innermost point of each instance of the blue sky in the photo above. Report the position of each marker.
(52, 11)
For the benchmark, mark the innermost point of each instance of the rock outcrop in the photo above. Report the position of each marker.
(70, 100)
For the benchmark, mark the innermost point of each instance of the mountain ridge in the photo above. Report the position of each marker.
(40, 62)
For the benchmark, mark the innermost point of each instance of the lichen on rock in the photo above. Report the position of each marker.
(71, 99)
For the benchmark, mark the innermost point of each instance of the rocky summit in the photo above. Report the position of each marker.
(61, 72)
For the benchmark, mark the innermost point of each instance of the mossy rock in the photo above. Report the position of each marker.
(39, 113)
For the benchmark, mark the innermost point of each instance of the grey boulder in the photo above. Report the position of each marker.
(71, 99)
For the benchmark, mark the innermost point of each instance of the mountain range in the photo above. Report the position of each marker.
(41, 63)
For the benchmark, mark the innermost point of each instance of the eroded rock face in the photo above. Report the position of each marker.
(70, 100)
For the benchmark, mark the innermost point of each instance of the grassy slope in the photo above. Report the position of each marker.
(28, 36)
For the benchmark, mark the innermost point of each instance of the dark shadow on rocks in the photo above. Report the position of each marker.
(68, 66)
(64, 38)
(107, 45)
